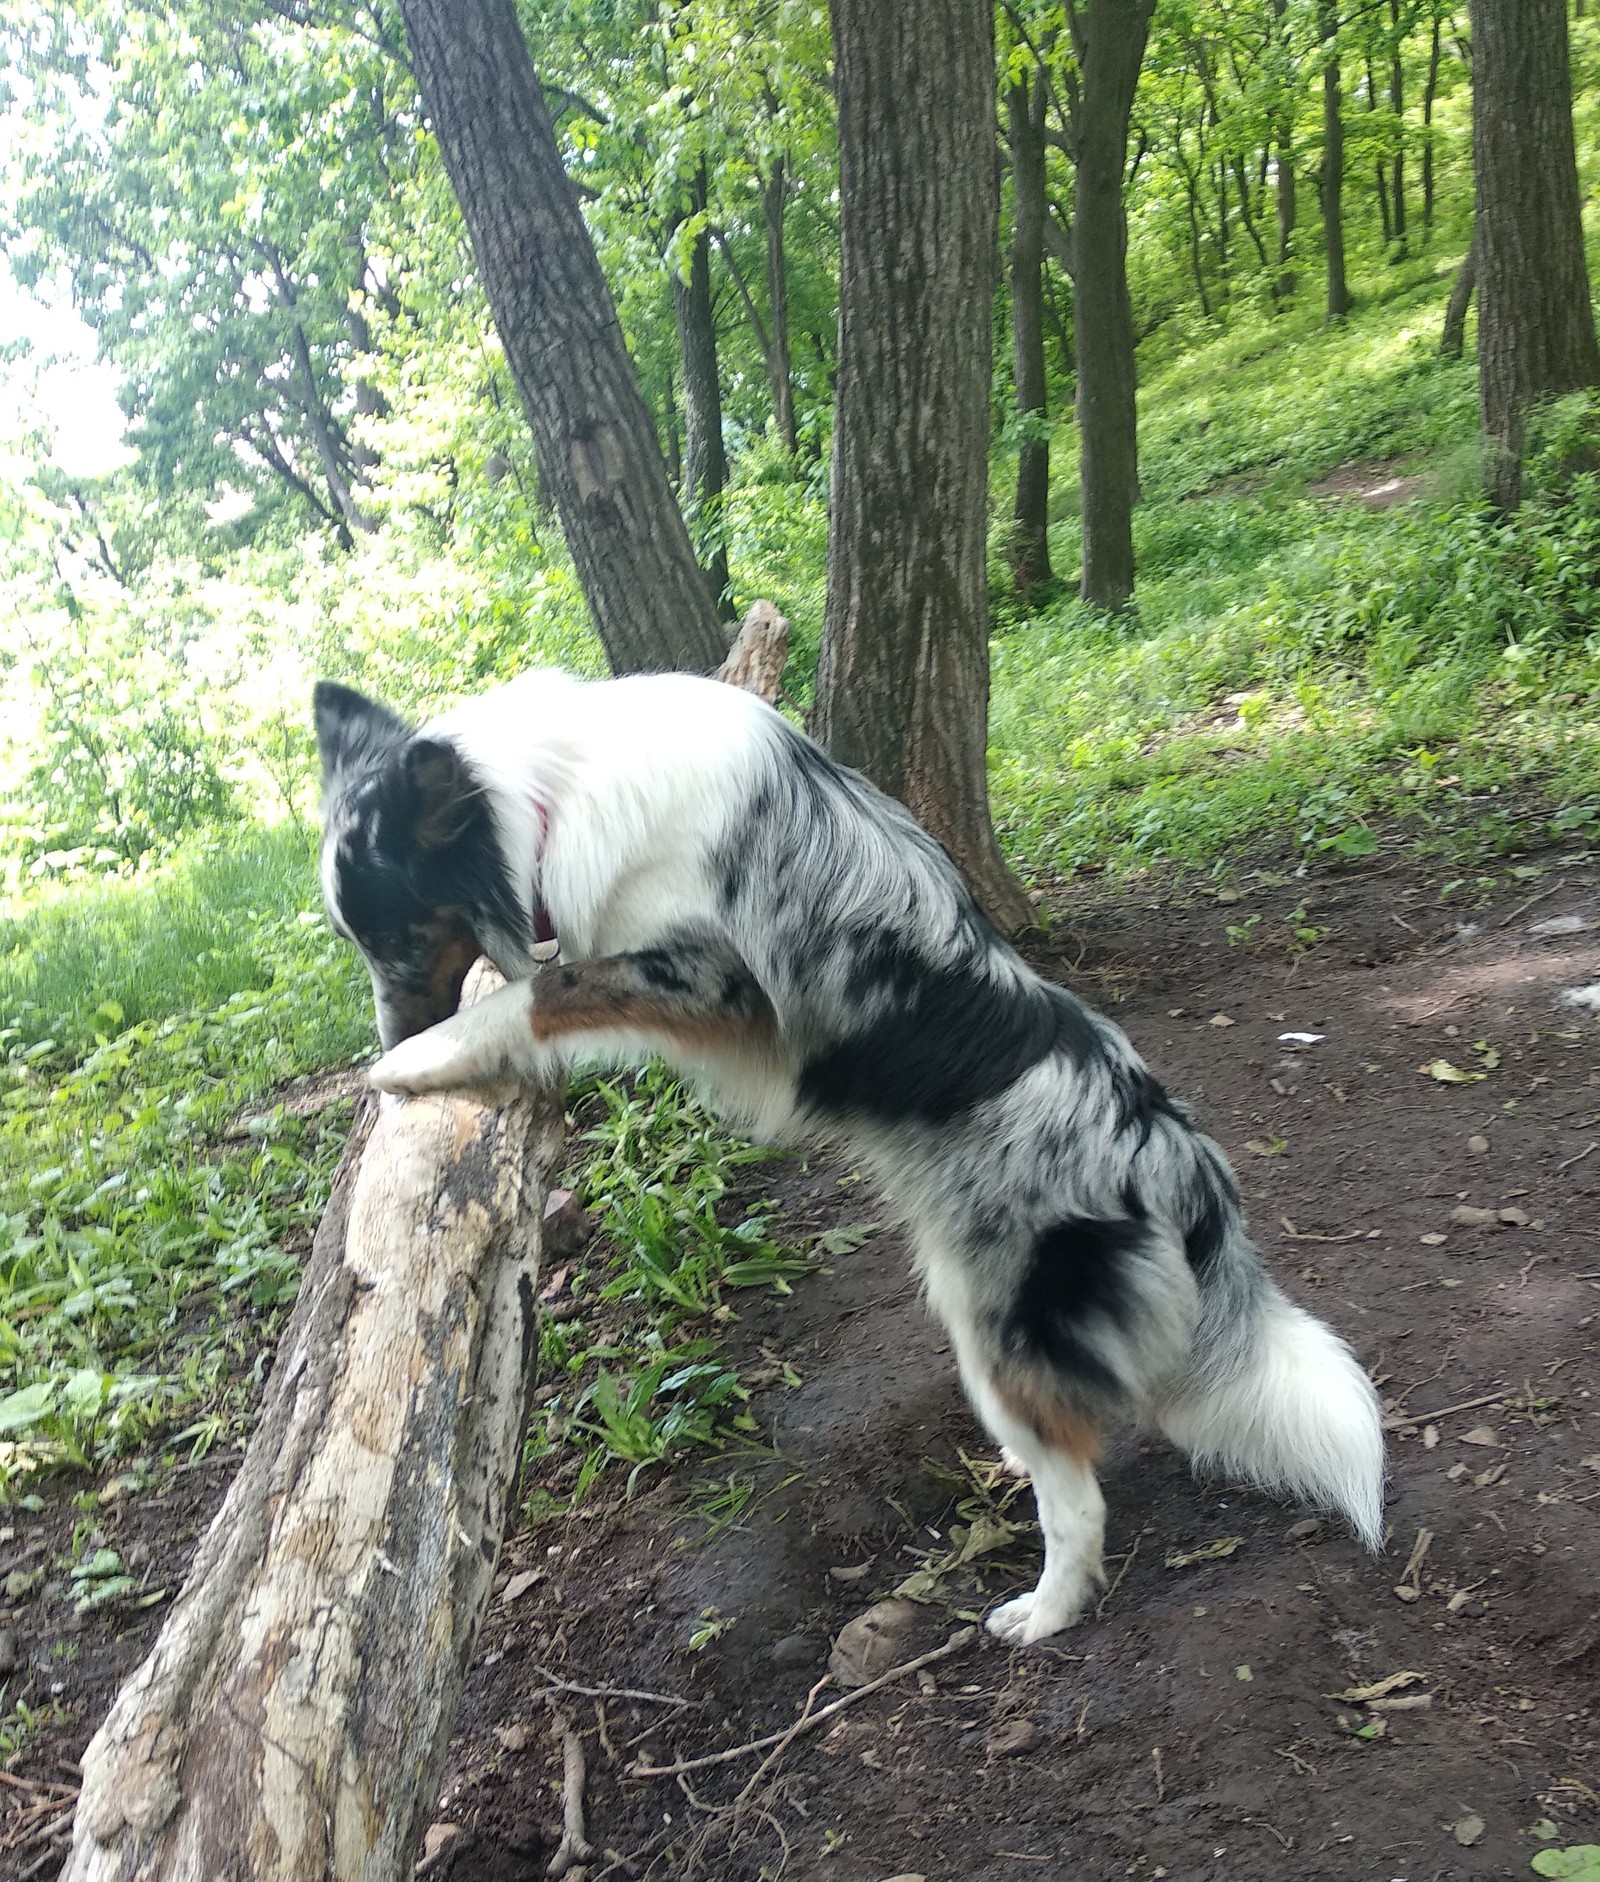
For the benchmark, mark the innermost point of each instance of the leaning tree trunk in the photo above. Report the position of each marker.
(291, 1722)
(1030, 540)
(1453, 340)
(562, 338)
(1110, 52)
(1536, 335)
(705, 459)
(903, 681)
(1332, 175)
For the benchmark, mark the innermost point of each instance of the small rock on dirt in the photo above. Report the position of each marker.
(438, 1836)
(1481, 1434)
(871, 1643)
(1515, 1218)
(1219, 1020)
(1305, 1529)
(1468, 1830)
(795, 1650)
(1478, 1144)
(516, 1737)
(567, 1227)
(1470, 1218)
(1015, 1739)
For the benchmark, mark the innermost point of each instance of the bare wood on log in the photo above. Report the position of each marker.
(292, 1720)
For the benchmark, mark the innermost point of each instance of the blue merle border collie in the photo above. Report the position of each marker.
(727, 898)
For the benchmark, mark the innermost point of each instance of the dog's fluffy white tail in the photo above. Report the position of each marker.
(1285, 1404)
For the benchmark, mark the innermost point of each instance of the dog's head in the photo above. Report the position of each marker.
(412, 871)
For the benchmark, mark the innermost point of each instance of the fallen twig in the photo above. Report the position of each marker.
(963, 1637)
(1127, 1563)
(575, 1848)
(1533, 901)
(609, 1692)
(1579, 1157)
(783, 1743)
(1396, 1419)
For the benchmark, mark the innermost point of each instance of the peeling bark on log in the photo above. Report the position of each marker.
(292, 1720)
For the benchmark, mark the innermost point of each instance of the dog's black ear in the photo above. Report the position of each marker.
(439, 792)
(353, 732)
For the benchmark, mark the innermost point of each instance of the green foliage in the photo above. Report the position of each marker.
(141, 1231)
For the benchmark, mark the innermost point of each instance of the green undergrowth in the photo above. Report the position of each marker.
(1298, 669)
(633, 1371)
(155, 1192)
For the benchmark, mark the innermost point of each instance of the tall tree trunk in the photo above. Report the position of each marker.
(774, 194)
(1283, 149)
(562, 338)
(1453, 340)
(1536, 336)
(903, 681)
(1380, 167)
(1110, 51)
(1430, 91)
(1333, 160)
(1397, 104)
(1030, 542)
(705, 458)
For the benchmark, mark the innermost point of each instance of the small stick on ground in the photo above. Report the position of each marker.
(1396, 1419)
(963, 1637)
(575, 1848)
(1127, 1563)
(609, 1692)
(1579, 1157)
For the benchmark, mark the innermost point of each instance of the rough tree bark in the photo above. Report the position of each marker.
(1030, 540)
(1109, 38)
(1397, 104)
(903, 681)
(1332, 176)
(705, 459)
(291, 1722)
(562, 338)
(1536, 336)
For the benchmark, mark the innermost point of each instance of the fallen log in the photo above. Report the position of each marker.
(292, 1720)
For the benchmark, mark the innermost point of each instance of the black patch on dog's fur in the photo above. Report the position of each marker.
(1078, 1273)
(944, 1040)
(1219, 1201)
(1140, 1099)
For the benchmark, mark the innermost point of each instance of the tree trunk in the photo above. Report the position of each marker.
(1283, 146)
(1030, 540)
(291, 1722)
(562, 338)
(903, 681)
(1113, 36)
(1430, 91)
(1536, 336)
(705, 459)
(1453, 340)
(1333, 161)
(1397, 104)
(774, 193)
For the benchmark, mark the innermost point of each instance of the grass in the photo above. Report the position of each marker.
(146, 1247)
(1297, 669)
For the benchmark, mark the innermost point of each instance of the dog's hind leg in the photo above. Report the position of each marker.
(1057, 1449)
(691, 999)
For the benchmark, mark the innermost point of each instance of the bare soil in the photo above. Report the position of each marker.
(1378, 483)
(1203, 1723)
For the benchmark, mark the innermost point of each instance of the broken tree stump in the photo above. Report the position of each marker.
(761, 646)
(292, 1720)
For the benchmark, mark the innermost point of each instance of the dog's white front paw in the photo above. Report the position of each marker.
(440, 1059)
(1038, 1613)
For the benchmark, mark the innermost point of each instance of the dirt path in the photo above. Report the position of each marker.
(1195, 1727)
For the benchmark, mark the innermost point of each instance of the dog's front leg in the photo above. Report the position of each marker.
(688, 999)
